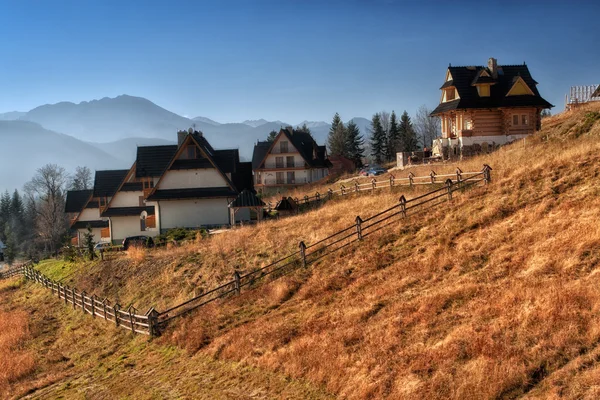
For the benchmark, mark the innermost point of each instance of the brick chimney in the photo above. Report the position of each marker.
(181, 135)
(493, 67)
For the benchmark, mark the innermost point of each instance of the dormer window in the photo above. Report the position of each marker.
(483, 90)
(449, 94)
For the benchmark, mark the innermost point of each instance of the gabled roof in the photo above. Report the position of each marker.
(596, 92)
(77, 200)
(106, 183)
(246, 199)
(242, 178)
(302, 141)
(151, 161)
(466, 78)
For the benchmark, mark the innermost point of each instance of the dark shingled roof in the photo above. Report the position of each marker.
(93, 204)
(242, 178)
(286, 204)
(92, 224)
(151, 161)
(132, 187)
(302, 141)
(246, 199)
(260, 151)
(76, 200)
(192, 193)
(227, 160)
(464, 77)
(127, 211)
(106, 183)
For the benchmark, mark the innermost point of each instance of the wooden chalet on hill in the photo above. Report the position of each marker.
(293, 158)
(188, 185)
(482, 107)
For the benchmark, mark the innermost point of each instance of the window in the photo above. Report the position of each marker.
(515, 119)
(141, 200)
(278, 162)
(189, 153)
(466, 124)
(279, 178)
(520, 120)
(289, 161)
(450, 94)
(524, 119)
(291, 177)
(283, 146)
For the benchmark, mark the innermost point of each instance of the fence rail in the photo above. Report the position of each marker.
(391, 182)
(152, 322)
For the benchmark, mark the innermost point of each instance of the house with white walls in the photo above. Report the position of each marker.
(293, 158)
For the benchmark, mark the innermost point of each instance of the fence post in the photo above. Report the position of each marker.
(104, 307)
(93, 301)
(303, 253)
(318, 196)
(458, 175)
(449, 185)
(403, 206)
(330, 193)
(83, 300)
(116, 308)
(432, 175)
(374, 183)
(356, 188)
(73, 297)
(410, 179)
(359, 227)
(305, 199)
(487, 176)
(153, 322)
(131, 319)
(343, 189)
(236, 282)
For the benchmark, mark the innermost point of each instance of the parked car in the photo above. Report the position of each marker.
(137, 241)
(375, 170)
(363, 171)
(102, 246)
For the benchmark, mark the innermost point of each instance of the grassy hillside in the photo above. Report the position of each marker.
(494, 295)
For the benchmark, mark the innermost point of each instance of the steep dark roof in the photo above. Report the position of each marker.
(242, 179)
(106, 183)
(132, 187)
(246, 199)
(260, 151)
(463, 79)
(92, 204)
(194, 163)
(192, 193)
(151, 161)
(92, 224)
(227, 160)
(127, 211)
(286, 204)
(302, 141)
(76, 200)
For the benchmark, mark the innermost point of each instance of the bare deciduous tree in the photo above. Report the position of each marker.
(428, 128)
(47, 190)
(82, 180)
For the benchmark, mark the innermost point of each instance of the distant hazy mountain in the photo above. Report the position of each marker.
(314, 124)
(255, 123)
(109, 119)
(10, 116)
(206, 120)
(126, 149)
(26, 146)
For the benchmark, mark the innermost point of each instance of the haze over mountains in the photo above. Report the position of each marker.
(105, 134)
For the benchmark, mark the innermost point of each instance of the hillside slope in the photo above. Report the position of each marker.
(491, 296)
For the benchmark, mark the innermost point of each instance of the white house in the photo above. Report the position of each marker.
(292, 158)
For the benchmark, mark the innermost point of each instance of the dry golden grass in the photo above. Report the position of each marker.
(15, 362)
(492, 296)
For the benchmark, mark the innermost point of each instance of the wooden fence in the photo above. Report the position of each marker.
(153, 322)
(308, 254)
(391, 182)
(98, 308)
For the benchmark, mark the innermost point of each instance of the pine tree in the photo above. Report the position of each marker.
(394, 143)
(4, 214)
(88, 240)
(355, 144)
(11, 250)
(272, 136)
(337, 140)
(378, 139)
(304, 128)
(408, 134)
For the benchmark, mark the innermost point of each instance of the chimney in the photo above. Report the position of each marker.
(181, 135)
(493, 67)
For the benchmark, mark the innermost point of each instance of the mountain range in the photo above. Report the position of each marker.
(105, 133)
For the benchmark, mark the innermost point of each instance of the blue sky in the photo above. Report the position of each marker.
(287, 60)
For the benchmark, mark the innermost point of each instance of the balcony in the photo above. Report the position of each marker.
(283, 165)
(281, 182)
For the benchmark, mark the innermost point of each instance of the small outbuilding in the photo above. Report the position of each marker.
(246, 200)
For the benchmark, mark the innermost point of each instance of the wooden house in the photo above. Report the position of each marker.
(293, 158)
(482, 107)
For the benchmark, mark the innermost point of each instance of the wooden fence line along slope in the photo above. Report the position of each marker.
(316, 251)
(153, 322)
(99, 308)
(410, 181)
